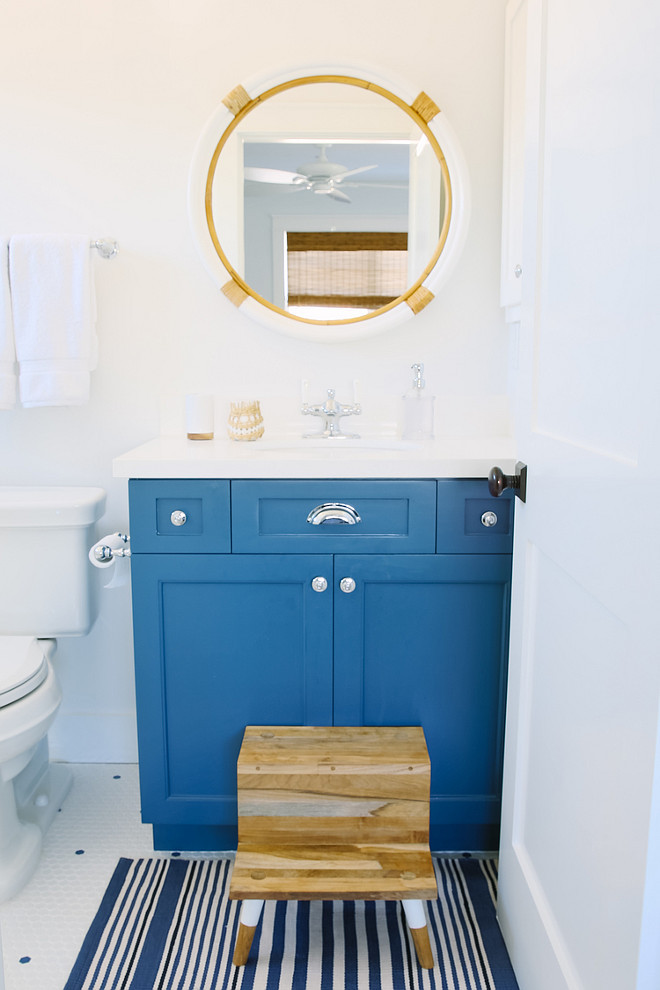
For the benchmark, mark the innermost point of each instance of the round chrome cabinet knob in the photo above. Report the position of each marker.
(489, 519)
(178, 517)
(347, 585)
(517, 271)
(319, 584)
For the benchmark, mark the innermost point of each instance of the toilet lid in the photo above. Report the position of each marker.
(23, 667)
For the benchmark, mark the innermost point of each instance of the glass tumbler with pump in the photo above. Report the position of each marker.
(418, 411)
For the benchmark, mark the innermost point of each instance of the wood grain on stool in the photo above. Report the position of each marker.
(422, 947)
(334, 813)
(243, 943)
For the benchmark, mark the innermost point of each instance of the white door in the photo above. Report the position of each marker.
(579, 902)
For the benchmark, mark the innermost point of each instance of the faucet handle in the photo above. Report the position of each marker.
(331, 411)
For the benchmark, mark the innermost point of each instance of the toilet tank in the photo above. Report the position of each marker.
(45, 573)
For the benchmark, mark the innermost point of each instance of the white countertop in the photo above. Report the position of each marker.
(292, 457)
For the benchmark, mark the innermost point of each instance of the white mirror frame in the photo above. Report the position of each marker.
(277, 320)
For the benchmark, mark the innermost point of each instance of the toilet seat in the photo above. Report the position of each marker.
(23, 667)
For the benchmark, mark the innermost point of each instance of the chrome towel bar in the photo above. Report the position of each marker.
(106, 247)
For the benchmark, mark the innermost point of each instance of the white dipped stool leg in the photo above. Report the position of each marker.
(250, 914)
(416, 918)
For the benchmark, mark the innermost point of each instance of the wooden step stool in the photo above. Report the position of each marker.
(333, 813)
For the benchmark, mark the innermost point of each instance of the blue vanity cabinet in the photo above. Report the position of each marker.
(232, 627)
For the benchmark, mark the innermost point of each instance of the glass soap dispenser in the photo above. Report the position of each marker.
(418, 408)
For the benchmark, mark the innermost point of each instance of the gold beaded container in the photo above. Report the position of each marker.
(245, 421)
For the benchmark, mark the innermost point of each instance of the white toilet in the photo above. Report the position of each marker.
(45, 592)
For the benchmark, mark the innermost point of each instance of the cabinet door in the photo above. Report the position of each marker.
(422, 641)
(221, 642)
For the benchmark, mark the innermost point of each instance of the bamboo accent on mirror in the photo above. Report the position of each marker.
(425, 107)
(235, 293)
(419, 299)
(237, 100)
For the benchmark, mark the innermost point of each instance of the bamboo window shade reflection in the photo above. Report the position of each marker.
(356, 269)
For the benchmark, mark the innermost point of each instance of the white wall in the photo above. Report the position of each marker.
(101, 105)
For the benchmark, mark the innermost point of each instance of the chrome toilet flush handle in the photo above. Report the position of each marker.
(333, 513)
(104, 553)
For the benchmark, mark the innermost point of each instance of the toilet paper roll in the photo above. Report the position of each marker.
(119, 575)
(199, 417)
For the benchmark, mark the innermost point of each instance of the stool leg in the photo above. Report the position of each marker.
(250, 914)
(414, 911)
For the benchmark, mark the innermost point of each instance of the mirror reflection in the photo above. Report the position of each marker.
(328, 201)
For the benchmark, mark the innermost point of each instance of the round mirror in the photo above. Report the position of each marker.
(328, 206)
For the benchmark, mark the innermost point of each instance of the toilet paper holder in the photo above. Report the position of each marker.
(105, 553)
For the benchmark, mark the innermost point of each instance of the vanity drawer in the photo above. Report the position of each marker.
(394, 516)
(465, 518)
(157, 523)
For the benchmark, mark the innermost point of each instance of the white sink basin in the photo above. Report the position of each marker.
(339, 446)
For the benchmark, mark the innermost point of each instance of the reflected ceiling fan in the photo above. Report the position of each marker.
(320, 176)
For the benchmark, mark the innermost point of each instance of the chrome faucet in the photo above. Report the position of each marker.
(331, 412)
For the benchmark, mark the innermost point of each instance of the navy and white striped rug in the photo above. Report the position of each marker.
(167, 924)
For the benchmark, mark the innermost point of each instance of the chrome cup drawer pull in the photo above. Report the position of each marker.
(333, 513)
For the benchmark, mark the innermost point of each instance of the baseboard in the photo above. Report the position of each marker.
(94, 738)
(537, 957)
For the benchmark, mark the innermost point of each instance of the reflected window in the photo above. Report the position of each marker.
(348, 270)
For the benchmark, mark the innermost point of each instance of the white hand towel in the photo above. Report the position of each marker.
(54, 318)
(7, 349)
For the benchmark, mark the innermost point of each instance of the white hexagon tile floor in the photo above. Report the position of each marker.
(44, 925)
